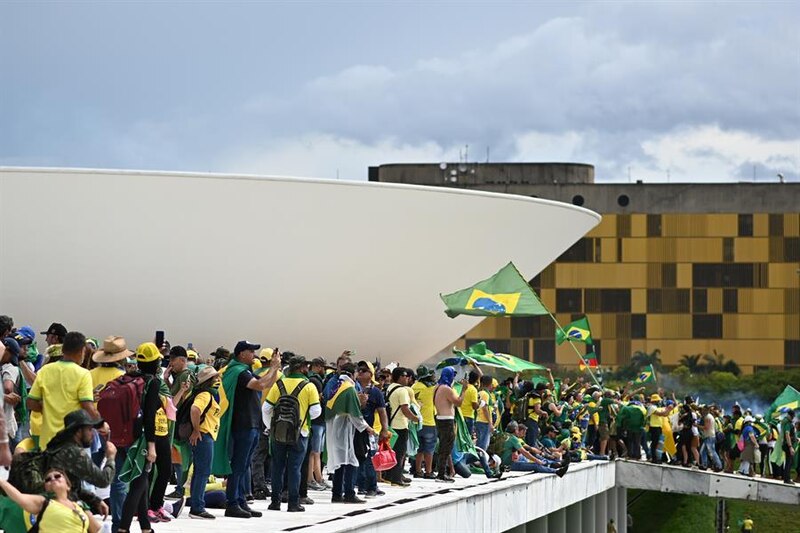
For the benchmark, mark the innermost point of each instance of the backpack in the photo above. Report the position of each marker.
(27, 471)
(183, 419)
(497, 442)
(521, 408)
(120, 405)
(286, 421)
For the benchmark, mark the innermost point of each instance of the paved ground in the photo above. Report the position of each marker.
(321, 512)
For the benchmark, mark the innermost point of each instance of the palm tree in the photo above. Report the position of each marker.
(715, 362)
(692, 362)
(642, 359)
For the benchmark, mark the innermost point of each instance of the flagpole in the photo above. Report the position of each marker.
(574, 348)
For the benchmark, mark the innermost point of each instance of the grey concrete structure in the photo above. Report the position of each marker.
(574, 183)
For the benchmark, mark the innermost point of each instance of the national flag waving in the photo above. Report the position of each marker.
(575, 331)
(504, 294)
(789, 398)
(481, 355)
(646, 376)
(589, 361)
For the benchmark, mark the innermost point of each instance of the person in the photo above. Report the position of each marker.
(261, 456)
(205, 427)
(141, 456)
(109, 359)
(709, 435)
(373, 403)
(655, 421)
(317, 441)
(536, 415)
(605, 410)
(446, 401)
(58, 514)
(178, 377)
(747, 524)
(240, 424)
(471, 404)
(399, 399)
(631, 420)
(423, 392)
(55, 334)
(518, 456)
(62, 387)
(12, 386)
(5, 451)
(67, 452)
(287, 458)
(344, 424)
(789, 439)
(690, 435)
(750, 445)
(484, 425)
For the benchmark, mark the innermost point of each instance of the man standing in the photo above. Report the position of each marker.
(62, 387)
(317, 441)
(374, 403)
(399, 398)
(471, 402)
(484, 425)
(241, 415)
(423, 391)
(54, 337)
(343, 419)
(287, 457)
(654, 418)
(631, 419)
(205, 426)
(709, 436)
(446, 401)
(789, 439)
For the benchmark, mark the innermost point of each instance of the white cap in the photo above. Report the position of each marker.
(749, 418)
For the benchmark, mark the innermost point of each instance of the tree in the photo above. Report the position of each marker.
(642, 359)
(691, 362)
(715, 362)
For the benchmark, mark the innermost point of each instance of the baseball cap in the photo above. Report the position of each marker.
(12, 347)
(25, 335)
(56, 329)
(241, 346)
(266, 354)
(191, 355)
(147, 352)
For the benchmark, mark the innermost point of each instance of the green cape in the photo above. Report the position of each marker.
(221, 465)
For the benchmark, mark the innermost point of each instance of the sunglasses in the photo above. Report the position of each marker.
(51, 478)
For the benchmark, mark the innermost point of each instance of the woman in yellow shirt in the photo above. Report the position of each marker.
(58, 514)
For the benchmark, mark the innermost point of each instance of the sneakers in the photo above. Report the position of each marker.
(154, 517)
(164, 515)
(202, 515)
(445, 479)
(253, 512)
(274, 506)
(235, 511)
(177, 507)
(297, 508)
(305, 500)
(374, 493)
(175, 494)
(563, 470)
(402, 484)
(313, 485)
(353, 499)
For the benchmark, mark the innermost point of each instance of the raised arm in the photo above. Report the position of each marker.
(31, 503)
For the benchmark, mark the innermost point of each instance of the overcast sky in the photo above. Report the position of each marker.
(696, 92)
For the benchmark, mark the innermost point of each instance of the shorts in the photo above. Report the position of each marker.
(317, 438)
(602, 429)
(427, 439)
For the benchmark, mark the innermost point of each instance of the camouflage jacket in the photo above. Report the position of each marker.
(73, 459)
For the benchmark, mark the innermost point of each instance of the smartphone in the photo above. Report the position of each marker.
(159, 339)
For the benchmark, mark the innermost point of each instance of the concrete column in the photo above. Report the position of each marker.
(622, 509)
(587, 514)
(612, 504)
(519, 529)
(601, 512)
(557, 521)
(537, 526)
(575, 518)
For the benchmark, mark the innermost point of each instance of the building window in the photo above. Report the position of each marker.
(745, 225)
(776, 225)
(727, 275)
(607, 301)
(668, 300)
(522, 326)
(596, 349)
(544, 351)
(707, 326)
(791, 249)
(699, 301)
(791, 353)
(654, 225)
(569, 301)
(730, 301)
(727, 249)
(580, 252)
(638, 326)
(669, 275)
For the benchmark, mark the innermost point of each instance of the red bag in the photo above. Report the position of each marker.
(120, 406)
(385, 458)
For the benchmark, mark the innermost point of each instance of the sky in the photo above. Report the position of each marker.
(672, 91)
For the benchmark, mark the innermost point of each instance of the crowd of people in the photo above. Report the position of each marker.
(97, 429)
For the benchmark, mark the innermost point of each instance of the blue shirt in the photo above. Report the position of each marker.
(746, 433)
(375, 400)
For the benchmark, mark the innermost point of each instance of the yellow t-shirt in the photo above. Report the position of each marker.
(101, 375)
(209, 424)
(532, 402)
(58, 518)
(424, 395)
(259, 373)
(483, 397)
(161, 421)
(747, 524)
(308, 396)
(61, 387)
(399, 396)
(470, 397)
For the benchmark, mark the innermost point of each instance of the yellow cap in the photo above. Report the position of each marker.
(147, 352)
(266, 354)
(191, 355)
(256, 364)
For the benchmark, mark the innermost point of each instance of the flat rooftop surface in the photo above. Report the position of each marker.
(328, 517)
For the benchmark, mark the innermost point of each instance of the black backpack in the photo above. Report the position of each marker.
(521, 408)
(183, 418)
(286, 422)
(27, 471)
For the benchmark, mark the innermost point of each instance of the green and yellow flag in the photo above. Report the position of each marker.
(483, 356)
(646, 376)
(575, 331)
(789, 398)
(223, 446)
(504, 294)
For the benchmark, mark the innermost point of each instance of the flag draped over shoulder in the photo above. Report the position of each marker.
(504, 294)
(789, 398)
(344, 402)
(589, 361)
(578, 330)
(221, 466)
(13, 519)
(647, 375)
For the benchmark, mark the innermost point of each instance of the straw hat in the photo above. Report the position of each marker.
(207, 373)
(114, 349)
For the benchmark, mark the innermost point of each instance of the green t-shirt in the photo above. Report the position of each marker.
(179, 379)
(605, 410)
(511, 445)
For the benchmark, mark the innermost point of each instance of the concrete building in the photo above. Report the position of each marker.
(682, 268)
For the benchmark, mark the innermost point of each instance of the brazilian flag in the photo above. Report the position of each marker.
(789, 398)
(646, 376)
(504, 294)
(575, 331)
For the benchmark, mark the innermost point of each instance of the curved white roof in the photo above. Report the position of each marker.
(315, 266)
